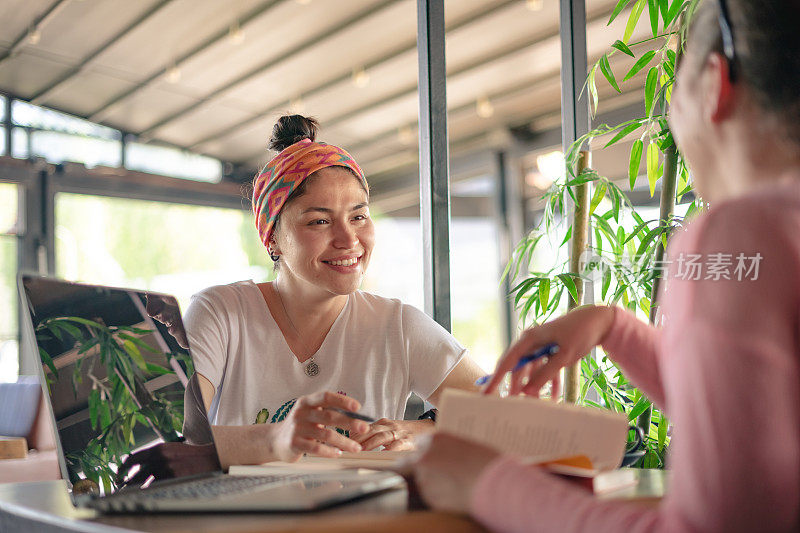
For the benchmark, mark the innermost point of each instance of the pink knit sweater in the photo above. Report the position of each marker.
(726, 369)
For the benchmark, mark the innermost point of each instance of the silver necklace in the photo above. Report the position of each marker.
(312, 368)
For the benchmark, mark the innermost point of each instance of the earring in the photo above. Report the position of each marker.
(272, 255)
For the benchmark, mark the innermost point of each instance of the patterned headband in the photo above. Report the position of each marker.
(286, 171)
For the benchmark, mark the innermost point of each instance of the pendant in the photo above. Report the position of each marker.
(312, 369)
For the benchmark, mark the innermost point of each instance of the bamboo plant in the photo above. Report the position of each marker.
(626, 263)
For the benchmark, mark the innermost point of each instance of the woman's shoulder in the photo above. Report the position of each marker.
(391, 308)
(228, 294)
(767, 218)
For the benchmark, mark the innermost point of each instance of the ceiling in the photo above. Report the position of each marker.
(212, 76)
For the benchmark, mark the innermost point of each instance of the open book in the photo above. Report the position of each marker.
(537, 430)
(581, 443)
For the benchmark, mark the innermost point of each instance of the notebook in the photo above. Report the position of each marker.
(132, 434)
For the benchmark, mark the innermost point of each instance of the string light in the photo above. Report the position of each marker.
(34, 35)
(484, 107)
(360, 77)
(534, 5)
(405, 135)
(297, 105)
(235, 33)
(174, 74)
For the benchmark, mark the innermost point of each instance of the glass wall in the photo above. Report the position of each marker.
(9, 317)
(395, 271)
(177, 249)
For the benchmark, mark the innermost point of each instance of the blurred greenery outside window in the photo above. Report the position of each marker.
(9, 318)
(172, 248)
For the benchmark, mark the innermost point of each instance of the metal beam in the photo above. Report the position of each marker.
(342, 78)
(37, 25)
(99, 114)
(7, 122)
(505, 243)
(433, 157)
(302, 47)
(574, 101)
(48, 92)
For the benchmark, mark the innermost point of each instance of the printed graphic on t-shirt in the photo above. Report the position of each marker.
(283, 412)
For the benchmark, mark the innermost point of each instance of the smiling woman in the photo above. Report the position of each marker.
(276, 352)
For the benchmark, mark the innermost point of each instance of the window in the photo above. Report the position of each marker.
(172, 162)
(57, 147)
(9, 317)
(171, 248)
(395, 271)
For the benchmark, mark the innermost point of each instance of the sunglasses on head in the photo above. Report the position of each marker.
(727, 38)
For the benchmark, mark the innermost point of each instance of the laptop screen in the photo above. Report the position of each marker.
(116, 365)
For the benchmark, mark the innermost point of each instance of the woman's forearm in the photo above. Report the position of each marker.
(632, 344)
(245, 445)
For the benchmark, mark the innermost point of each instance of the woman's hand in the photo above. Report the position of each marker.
(576, 333)
(309, 427)
(448, 470)
(393, 435)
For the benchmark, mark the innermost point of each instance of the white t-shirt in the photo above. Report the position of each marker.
(378, 351)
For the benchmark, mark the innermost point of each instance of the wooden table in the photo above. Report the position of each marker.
(45, 506)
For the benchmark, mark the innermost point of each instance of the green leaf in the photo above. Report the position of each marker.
(597, 197)
(158, 369)
(605, 68)
(622, 47)
(618, 9)
(566, 237)
(94, 401)
(640, 64)
(652, 7)
(633, 19)
(606, 282)
(635, 125)
(673, 12)
(134, 353)
(663, 5)
(46, 359)
(663, 425)
(652, 166)
(647, 239)
(569, 283)
(544, 293)
(639, 408)
(650, 89)
(590, 81)
(635, 162)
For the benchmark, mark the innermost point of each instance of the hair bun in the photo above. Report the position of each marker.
(291, 129)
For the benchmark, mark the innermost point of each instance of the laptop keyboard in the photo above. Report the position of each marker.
(218, 486)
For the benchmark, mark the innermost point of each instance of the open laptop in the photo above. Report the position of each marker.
(121, 389)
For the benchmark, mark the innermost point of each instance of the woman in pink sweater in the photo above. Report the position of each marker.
(725, 365)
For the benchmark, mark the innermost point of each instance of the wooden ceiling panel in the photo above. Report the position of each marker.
(268, 38)
(81, 94)
(332, 57)
(26, 72)
(140, 111)
(17, 16)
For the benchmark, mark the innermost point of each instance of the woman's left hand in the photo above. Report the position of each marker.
(448, 470)
(393, 435)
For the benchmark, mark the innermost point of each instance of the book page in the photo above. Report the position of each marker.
(539, 430)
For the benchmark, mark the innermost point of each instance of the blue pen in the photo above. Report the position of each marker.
(545, 351)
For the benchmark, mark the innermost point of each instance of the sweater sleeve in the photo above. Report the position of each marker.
(632, 344)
